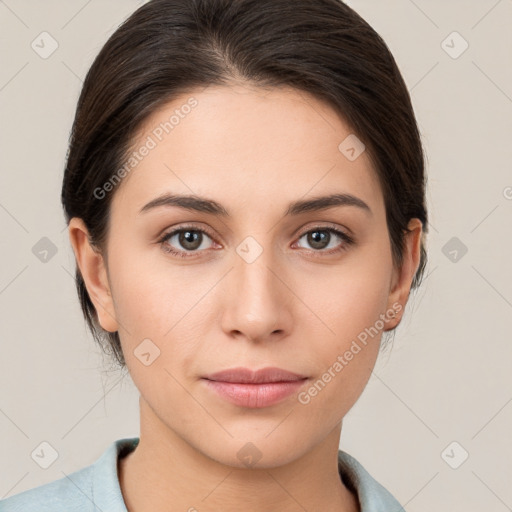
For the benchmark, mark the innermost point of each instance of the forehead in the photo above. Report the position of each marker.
(238, 142)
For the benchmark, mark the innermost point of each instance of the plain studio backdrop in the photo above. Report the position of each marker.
(435, 420)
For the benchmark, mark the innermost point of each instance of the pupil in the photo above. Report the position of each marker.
(188, 239)
(317, 239)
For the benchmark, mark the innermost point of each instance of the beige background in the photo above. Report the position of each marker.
(448, 376)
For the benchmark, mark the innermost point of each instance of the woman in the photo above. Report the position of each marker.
(245, 195)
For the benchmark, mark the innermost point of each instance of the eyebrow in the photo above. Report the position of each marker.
(201, 204)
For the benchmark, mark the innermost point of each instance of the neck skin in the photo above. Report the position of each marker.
(165, 470)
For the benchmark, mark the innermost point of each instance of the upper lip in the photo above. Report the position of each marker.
(246, 375)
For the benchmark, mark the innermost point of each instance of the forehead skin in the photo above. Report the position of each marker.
(242, 145)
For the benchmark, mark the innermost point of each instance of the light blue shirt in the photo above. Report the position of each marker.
(96, 488)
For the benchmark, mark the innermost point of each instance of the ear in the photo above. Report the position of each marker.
(94, 273)
(402, 278)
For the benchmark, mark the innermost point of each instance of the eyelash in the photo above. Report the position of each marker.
(347, 241)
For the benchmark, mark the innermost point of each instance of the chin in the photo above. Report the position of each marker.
(256, 450)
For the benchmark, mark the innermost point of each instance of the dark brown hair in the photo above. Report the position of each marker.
(168, 47)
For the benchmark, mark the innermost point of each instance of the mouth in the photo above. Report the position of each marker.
(254, 389)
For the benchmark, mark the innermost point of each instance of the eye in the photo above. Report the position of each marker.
(323, 239)
(184, 240)
(187, 241)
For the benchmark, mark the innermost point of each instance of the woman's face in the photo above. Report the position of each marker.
(255, 280)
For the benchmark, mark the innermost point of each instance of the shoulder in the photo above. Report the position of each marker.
(94, 487)
(68, 493)
(373, 497)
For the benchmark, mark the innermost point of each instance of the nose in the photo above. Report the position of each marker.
(256, 302)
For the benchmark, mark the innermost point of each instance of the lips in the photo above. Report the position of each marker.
(248, 376)
(254, 389)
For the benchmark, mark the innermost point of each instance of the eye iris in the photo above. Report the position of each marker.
(190, 237)
(317, 239)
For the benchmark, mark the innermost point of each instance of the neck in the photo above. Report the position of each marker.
(164, 469)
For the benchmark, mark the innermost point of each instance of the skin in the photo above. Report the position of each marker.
(254, 151)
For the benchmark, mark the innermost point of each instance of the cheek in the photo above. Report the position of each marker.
(150, 293)
(351, 298)
(344, 360)
(349, 302)
(162, 303)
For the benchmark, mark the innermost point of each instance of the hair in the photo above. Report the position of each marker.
(168, 47)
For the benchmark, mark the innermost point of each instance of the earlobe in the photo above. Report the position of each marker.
(402, 278)
(94, 273)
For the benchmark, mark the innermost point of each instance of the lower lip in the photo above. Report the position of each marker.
(255, 395)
